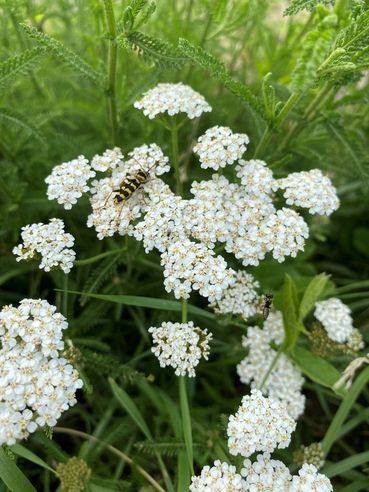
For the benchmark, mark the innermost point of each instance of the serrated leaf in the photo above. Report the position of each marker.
(129, 405)
(299, 5)
(12, 117)
(218, 71)
(19, 65)
(311, 295)
(65, 54)
(11, 475)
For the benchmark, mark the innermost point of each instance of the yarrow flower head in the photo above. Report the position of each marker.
(110, 159)
(311, 190)
(36, 384)
(309, 480)
(240, 298)
(284, 383)
(255, 176)
(51, 242)
(180, 345)
(221, 477)
(260, 424)
(266, 475)
(68, 181)
(192, 266)
(336, 318)
(172, 99)
(219, 146)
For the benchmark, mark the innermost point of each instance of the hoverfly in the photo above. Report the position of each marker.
(267, 304)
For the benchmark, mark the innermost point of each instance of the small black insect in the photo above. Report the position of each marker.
(267, 304)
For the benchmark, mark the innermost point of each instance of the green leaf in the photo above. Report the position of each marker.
(128, 404)
(343, 466)
(11, 475)
(316, 368)
(299, 5)
(291, 323)
(17, 119)
(219, 72)
(148, 302)
(19, 65)
(312, 294)
(65, 54)
(30, 456)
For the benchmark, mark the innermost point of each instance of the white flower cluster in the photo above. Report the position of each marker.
(336, 318)
(262, 475)
(309, 189)
(36, 384)
(256, 177)
(108, 217)
(240, 298)
(180, 345)
(245, 219)
(110, 159)
(192, 266)
(219, 146)
(68, 181)
(51, 242)
(285, 381)
(260, 424)
(172, 99)
(221, 477)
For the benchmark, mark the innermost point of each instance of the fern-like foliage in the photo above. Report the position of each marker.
(165, 447)
(66, 55)
(153, 50)
(19, 65)
(98, 276)
(350, 53)
(299, 5)
(136, 14)
(317, 44)
(108, 366)
(10, 117)
(218, 70)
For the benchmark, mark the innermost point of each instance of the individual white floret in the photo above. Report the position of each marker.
(219, 146)
(36, 384)
(336, 318)
(284, 382)
(266, 475)
(221, 477)
(180, 345)
(255, 176)
(260, 425)
(68, 181)
(110, 159)
(309, 480)
(192, 266)
(51, 242)
(284, 233)
(240, 298)
(309, 189)
(172, 99)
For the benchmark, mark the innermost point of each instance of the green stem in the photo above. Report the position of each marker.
(94, 259)
(289, 104)
(270, 369)
(333, 432)
(112, 449)
(185, 409)
(65, 296)
(175, 158)
(112, 69)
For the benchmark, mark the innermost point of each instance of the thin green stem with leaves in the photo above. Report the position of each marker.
(112, 70)
(270, 368)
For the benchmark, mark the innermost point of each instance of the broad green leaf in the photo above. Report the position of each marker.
(311, 295)
(30, 456)
(11, 475)
(316, 368)
(148, 302)
(129, 405)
